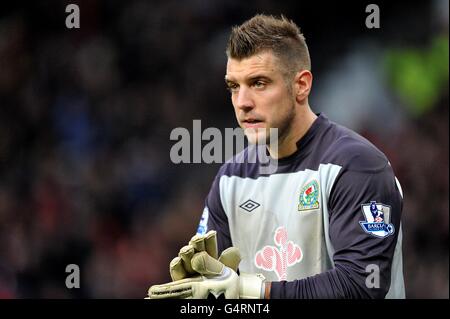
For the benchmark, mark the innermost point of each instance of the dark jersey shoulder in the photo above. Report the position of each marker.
(350, 150)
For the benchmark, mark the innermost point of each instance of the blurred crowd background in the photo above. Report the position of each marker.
(86, 115)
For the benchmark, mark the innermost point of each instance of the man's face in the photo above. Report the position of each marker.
(260, 96)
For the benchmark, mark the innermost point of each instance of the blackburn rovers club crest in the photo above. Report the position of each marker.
(309, 196)
(377, 219)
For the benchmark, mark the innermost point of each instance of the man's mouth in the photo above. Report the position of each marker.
(253, 123)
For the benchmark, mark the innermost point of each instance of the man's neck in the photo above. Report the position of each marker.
(299, 128)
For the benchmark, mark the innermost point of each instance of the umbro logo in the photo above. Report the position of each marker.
(249, 205)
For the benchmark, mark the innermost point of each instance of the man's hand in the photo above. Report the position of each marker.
(197, 272)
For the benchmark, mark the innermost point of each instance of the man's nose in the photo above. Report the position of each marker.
(243, 99)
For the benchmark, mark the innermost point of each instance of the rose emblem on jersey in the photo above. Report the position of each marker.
(309, 196)
(278, 258)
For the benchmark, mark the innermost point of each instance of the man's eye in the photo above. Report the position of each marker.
(232, 87)
(259, 84)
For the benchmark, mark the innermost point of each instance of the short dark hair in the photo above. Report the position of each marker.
(266, 32)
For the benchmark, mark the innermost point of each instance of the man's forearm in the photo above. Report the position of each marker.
(332, 284)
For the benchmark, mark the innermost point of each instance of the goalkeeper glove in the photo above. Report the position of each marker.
(197, 272)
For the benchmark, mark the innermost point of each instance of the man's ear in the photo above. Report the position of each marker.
(302, 85)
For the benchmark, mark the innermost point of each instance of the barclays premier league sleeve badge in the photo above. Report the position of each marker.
(377, 219)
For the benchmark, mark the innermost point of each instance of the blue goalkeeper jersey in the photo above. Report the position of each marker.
(325, 224)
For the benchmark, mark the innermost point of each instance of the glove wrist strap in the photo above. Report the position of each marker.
(251, 286)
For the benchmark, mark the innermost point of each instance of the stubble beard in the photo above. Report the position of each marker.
(284, 127)
(277, 134)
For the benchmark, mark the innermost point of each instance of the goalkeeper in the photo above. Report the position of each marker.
(326, 223)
